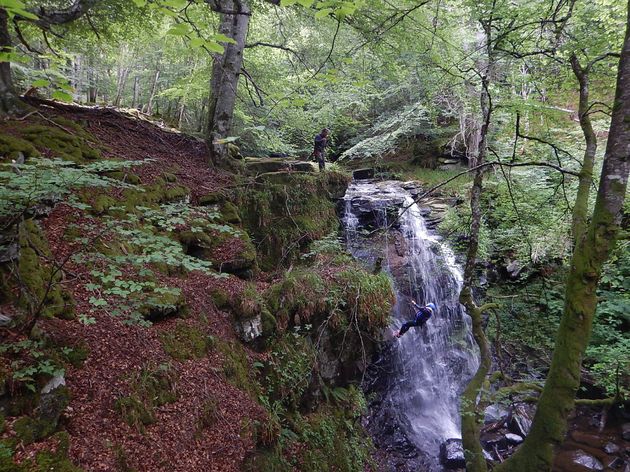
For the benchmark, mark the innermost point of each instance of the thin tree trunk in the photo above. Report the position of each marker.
(580, 209)
(558, 396)
(149, 108)
(10, 103)
(136, 91)
(120, 88)
(470, 415)
(225, 74)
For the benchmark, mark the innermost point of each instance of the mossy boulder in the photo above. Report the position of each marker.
(211, 198)
(124, 176)
(157, 306)
(150, 387)
(73, 146)
(231, 251)
(12, 147)
(40, 284)
(283, 219)
(229, 213)
(54, 399)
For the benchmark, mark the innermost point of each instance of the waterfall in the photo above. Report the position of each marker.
(428, 367)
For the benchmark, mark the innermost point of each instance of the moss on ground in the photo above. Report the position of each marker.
(74, 146)
(184, 341)
(150, 388)
(11, 147)
(236, 367)
(45, 460)
(40, 284)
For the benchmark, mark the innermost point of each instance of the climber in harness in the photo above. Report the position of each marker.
(320, 147)
(423, 313)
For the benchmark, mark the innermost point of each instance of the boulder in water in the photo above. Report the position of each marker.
(625, 431)
(452, 454)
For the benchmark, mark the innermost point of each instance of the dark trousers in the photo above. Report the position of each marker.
(319, 155)
(410, 324)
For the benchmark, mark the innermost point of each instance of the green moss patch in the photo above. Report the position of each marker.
(11, 148)
(236, 367)
(40, 285)
(284, 218)
(69, 146)
(184, 341)
(150, 388)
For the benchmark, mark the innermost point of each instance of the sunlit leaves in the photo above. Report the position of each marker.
(17, 8)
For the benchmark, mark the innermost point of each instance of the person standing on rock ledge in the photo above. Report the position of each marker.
(320, 148)
(423, 313)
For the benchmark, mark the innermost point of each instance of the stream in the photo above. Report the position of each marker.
(413, 385)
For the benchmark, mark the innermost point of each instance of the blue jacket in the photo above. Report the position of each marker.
(423, 314)
(320, 142)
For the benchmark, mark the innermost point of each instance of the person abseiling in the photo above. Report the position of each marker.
(423, 313)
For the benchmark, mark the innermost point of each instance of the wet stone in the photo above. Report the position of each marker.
(494, 413)
(452, 454)
(585, 461)
(611, 448)
(513, 438)
(625, 431)
(521, 422)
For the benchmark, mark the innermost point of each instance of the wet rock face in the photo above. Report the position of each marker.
(452, 454)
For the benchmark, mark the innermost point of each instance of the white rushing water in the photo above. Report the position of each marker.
(432, 364)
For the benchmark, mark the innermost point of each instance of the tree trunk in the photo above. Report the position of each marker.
(120, 88)
(149, 108)
(10, 103)
(558, 396)
(580, 209)
(470, 415)
(225, 73)
(136, 91)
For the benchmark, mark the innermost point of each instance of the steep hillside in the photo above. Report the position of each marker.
(148, 318)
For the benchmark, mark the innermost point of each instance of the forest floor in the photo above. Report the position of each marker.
(179, 439)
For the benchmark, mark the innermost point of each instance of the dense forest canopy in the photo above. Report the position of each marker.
(508, 110)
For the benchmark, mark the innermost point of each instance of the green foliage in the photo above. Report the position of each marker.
(609, 351)
(23, 186)
(31, 362)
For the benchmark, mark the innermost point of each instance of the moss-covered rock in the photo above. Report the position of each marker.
(229, 251)
(220, 298)
(157, 306)
(229, 213)
(73, 147)
(211, 198)
(40, 284)
(184, 341)
(124, 176)
(284, 218)
(11, 148)
(236, 367)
